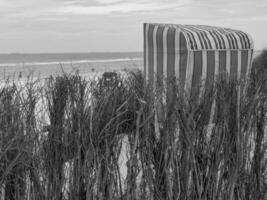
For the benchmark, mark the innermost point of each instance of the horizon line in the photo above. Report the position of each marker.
(78, 52)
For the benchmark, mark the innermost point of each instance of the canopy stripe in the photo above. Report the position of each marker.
(207, 37)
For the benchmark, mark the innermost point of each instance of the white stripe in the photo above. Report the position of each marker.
(195, 37)
(199, 36)
(215, 39)
(191, 43)
(249, 63)
(239, 89)
(231, 40)
(210, 38)
(225, 40)
(146, 40)
(246, 40)
(212, 113)
(248, 70)
(238, 64)
(206, 29)
(189, 71)
(228, 62)
(216, 71)
(234, 42)
(177, 54)
(204, 73)
(155, 54)
(165, 62)
(251, 44)
(239, 44)
(241, 38)
(165, 31)
(190, 38)
(218, 38)
(228, 42)
(204, 37)
(155, 74)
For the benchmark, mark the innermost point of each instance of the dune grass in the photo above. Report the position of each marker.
(62, 138)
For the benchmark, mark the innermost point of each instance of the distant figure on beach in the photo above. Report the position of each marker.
(109, 79)
(20, 75)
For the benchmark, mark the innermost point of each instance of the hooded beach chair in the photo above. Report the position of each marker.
(195, 55)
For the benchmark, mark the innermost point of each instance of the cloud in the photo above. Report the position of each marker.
(231, 11)
(249, 19)
(116, 21)
(115, 6)
(108, 1)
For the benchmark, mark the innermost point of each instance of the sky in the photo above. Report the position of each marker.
(35, 26)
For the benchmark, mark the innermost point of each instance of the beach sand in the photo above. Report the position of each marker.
(84, 69)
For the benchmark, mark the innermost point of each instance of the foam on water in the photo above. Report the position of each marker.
(68, 62)
(43, 65)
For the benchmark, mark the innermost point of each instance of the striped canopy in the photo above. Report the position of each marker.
(193, 53)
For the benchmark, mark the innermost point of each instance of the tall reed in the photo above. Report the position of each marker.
(64, 138)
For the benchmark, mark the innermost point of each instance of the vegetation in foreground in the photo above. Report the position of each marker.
(63, 139)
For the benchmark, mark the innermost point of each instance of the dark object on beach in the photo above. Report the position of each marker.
(109, 79)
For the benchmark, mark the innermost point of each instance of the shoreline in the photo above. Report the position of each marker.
(83, 68)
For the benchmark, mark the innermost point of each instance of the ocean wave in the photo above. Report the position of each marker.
(68, 62)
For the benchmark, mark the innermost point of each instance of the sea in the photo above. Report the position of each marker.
(18, 65)
(42, 65)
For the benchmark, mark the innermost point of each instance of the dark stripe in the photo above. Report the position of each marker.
(231, 40)
(234, 63)
(210, 68)
(222, 63)
(249, 44)
(204, 36)
(218, 39)
(191, 37)
(246, 39)
(207, 39)
(221, 39)
(145, 47)
(216, 44)
(246, 46)
(183, 59)
(195, 47)
(228, 40)
(200, 39)
(204, 39)
(241, 38)
(150, 53)
(197, 72)
(244, 63)
(209, 81)
(235, 40)
(190, 41)
(160, 55)
(170, 64)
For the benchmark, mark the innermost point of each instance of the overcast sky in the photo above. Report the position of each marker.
(115, 25)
